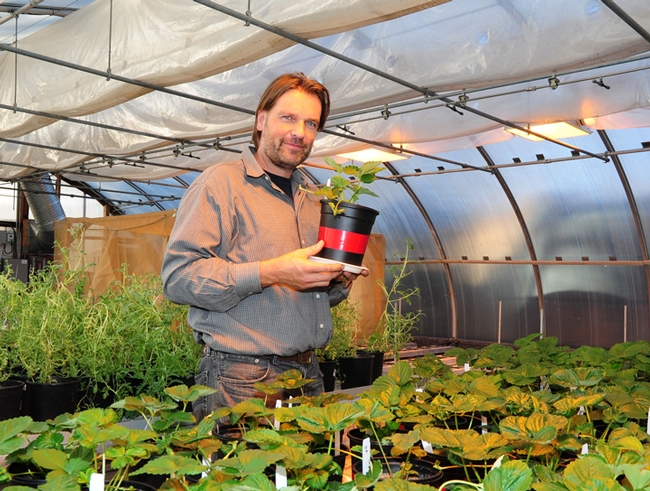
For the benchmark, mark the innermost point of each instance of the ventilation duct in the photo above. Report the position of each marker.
(46, 208)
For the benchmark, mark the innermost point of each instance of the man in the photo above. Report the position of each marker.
(239, 254)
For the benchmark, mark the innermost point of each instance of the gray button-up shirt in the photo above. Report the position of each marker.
(231, 218)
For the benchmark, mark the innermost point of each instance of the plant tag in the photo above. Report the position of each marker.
(276, 423)
(497, 463)
(585, 449)
(428, 448)
(484, 425)
(280, 477)
(467, 367)
(337, 443)
(365, 456)
(96, 482)
(289, 403)
(206, 463)
(582, 411)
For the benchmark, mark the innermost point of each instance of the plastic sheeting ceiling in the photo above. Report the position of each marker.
(512, 236)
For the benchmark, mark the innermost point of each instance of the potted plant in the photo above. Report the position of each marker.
(394, 329)
(345, 318)
(44, 327)
(346, 226)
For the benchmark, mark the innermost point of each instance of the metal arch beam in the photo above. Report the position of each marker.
(632, 202)
(142, 193)
(524, 228)
(625, 17)
(38, 9)
(91, 192)
(439, 246)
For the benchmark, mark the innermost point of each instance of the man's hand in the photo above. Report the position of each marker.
(297, 271)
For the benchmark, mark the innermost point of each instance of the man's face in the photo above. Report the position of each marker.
(288, 131)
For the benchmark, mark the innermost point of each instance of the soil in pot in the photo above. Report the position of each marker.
(11, 394)
(422, 471)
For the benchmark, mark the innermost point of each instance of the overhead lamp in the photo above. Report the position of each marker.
(556, 131)
(373, 155)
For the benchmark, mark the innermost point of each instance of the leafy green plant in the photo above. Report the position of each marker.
(345, 323)
(394, 328)
(350, 179)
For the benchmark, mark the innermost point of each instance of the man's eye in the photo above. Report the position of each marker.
(312, 124)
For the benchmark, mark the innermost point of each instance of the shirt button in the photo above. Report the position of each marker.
(318, 295)
(322, 326)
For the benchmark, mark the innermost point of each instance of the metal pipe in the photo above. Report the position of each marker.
(625, 17)
(21, 10)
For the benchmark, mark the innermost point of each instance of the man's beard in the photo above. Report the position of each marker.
(282, 157)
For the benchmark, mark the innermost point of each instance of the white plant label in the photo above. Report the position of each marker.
(428, 448)
(280, 477)
(365, 456)
(96, 482)
(484, 425)
(206, 463)
(467, 367)
(276, 423)
(585, 449)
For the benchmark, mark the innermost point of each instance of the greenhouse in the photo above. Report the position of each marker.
(505, 281)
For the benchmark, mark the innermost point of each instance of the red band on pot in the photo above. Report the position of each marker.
(343, 240)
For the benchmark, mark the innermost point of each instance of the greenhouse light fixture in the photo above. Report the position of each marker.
(557, 131)
(374, 155)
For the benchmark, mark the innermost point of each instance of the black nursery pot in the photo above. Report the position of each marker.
(328, 369)
(11, 394)
(423, 471)
(356, 371)
(346, 235)
(47, 401)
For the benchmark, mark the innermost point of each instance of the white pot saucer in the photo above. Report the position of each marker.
(350, 268)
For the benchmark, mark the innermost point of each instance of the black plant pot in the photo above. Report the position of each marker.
(47, 401)
(346, 235)
(328, 369)
(356, 371)
(377, 364)
(356, 437)
(25, 475)
(11, 394)
(423, 471)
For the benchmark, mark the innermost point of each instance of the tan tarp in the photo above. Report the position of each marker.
(135, 244)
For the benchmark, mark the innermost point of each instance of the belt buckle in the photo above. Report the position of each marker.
(305, 358)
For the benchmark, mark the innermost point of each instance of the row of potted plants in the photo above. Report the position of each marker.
(357, 360)
(55, 332)
(533, 416)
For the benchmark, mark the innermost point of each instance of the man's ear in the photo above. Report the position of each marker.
(260, 117)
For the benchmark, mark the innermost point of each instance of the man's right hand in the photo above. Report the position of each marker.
(297, 271)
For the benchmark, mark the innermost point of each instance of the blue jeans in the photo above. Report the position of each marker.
(234, 377)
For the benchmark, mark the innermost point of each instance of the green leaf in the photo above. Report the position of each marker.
(171, 464)
(588, 468)
(638, 476)
(182, 393)
(9, 429)
(577, 377)
(50, 458)
(513, 475)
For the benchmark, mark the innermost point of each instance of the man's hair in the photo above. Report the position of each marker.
(285, 83)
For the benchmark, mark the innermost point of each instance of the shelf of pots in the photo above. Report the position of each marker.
(73, 349)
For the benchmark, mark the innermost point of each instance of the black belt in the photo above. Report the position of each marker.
(302, 358)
